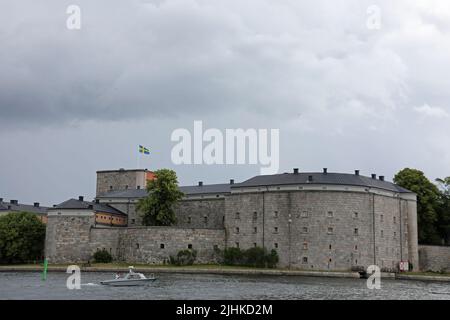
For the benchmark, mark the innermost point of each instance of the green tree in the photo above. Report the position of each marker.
(428, 196)
(22, 237)
(163, 194)
(443, 211)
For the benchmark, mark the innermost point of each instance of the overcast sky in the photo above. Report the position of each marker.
(343, 95)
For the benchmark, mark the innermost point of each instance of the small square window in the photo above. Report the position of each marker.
(133, 221)
(305, 245)
(382, 233)
(255, 215)
(395, 219)
(356, 248)
(381, 218)
(137, 245)
(305, 229)
(330, 230)
(275, 230)
(395, 235)
(189, 220)
(238, 215)
(329, 247)
(255, 230)
(356, 231)
(275, 214)
(304, 214)
(305, 259)
(237, 244)
(355, 215)
(205, 219)
(330, 214)
(254, 245)
(237, 229)
(275, 245)
(161, 246)
(189, 246)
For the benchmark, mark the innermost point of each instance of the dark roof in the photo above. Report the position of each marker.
(82, 205)
(6, 206)
(188, 190)
(320, 178)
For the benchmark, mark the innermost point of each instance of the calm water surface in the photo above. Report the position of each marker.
(26, 285)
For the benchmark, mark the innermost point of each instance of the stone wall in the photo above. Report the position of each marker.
(120, 180)
(434, 258)
(206, 213)
(325, 230)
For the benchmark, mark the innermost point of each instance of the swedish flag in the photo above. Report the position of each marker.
(143, 150)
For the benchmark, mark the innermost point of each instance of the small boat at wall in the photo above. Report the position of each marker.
(130, 279)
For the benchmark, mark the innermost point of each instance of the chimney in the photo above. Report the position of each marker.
(356, 172)
(36, 204)
(381, 178)
(374, 176)
(295, 170)
(231, 181)
(16, 202)
(81, 198)
(325, 170)
(200, 183)
(310, 178)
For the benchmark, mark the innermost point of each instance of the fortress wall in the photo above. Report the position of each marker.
(434, 258)
(296, 223)
(206, 213)
(143, 245)
(68, 238)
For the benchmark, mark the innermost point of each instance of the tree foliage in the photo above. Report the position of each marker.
(430, 210)
(443, 211)
(163, 194)
(254, 257)
(22, 237)
(102, 256)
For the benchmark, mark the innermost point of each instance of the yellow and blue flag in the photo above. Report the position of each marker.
(143, 150)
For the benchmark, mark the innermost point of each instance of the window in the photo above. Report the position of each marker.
(305, 259)
(329, 247)
(356, 248)
(355, 215)
(189, 220)
(330, 214)
(395, 235)
(189, 246)
(137, 245)
(237, 229)
(275, 214)
(110, 187)
(382, 233)
(254, 244)
(237, 215)
(126, 187)
(305, 229)
(305, 245)
(356, 231)
(381, 218)
(275, 230)
(330, 230)
(275, 245)
(304, 214)
(395, 219)
(255, 215)
(255, 230)
(237, 244)
(205, 219)
(161, 246)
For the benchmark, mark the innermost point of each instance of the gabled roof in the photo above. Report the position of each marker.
(320, 178)
(75, 204)
(6, 206)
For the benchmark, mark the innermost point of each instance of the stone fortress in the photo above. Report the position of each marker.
(315, 221)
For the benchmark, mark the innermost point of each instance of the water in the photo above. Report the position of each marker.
(26, 285)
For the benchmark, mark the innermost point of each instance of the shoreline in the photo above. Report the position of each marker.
(223, 270)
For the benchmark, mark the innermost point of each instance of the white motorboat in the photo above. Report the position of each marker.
(130, 279)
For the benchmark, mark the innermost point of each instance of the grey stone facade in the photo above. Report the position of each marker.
(434, 258)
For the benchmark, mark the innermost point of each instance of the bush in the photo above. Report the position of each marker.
(253, 257)
(22, 237)
(102, 256)
(184, 258)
